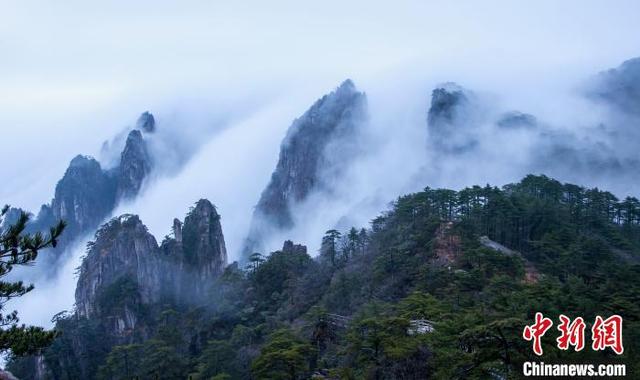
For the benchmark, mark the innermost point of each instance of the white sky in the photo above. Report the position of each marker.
(81, 70)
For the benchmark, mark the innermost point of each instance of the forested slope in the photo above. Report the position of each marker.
(472, 267)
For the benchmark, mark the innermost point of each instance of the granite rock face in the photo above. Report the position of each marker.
(446, 104)
(87, 193)
(290, 247)
(146, 122)
(83, 197)
(606, 153)
(199, 249)
(314, 150)
(126, 281)
(123, 250)
(135, 166)
(126, 271)
(620, 87)
(449, 119)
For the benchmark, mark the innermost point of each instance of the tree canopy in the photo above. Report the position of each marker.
(20, 248)
(473, 266)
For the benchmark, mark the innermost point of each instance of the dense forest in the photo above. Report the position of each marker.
(439, 286)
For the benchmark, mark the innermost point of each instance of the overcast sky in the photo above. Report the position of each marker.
(74, 73)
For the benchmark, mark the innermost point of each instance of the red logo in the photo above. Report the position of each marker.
(605, 333)
(572, 333)
(536, 331)
(608, 333)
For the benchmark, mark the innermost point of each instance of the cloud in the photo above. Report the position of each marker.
(225, 81)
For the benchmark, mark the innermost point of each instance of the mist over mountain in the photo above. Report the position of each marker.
(454, 136)
(450, 120)
(136, 296)
(126, 277)
(139, 316)
(135, 166)
(87, 196)
(315, 152)
(336, 196)
(601, 153)
(188, 263)
(467, 135)
(88, 193)
(619, 87)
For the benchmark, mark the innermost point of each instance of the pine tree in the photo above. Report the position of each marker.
(17, 247)
(328, 248)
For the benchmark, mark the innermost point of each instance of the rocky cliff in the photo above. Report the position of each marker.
(146, 122)
(128, 289)
(87, 193)
(125, 271)
(199, 249)
(83, 197)
(135, 165)
(123, 250)
(447, 103)
(317, 145)
(449, 119)
(620, 87)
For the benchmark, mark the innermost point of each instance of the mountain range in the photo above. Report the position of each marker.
(472, 261)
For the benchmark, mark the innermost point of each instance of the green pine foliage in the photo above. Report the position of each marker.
(475, 265)
(20, 248)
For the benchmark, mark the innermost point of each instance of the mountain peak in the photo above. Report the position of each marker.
(620, 87)
(83, 161)
(123, 250)
(446, 99)
(316, 149)
(135, 165)
(83, 196)
(146, 122)
(347, 86)
(202, 236)
(450, 119)
(124, 255)
(205, 206)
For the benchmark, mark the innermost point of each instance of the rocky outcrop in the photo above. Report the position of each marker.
(126, 271)
(449, 119)
(620, 87)
(146, 122)
(83, 197)
(135, 165)
(314, 151)
(447, 102)
(531, 273)
(123, 251)
(447, 245)
(87, 193)
(297, 249)
(199, 248)
(126, 281)
(517, 120)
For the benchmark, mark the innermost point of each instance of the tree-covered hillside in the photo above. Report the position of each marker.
(440, 286)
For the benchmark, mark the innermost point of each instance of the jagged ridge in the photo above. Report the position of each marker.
(87, 193)
(316, 147)
(125, 254)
